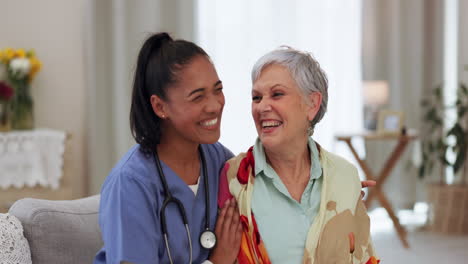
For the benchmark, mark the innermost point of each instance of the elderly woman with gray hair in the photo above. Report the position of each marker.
(298, 202)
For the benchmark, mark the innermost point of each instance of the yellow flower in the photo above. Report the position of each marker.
(20, 53)
(9, 54)
(2, 53)
(30, 53)
(36, 66)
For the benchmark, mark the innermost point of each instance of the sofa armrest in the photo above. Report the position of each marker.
(60, 231)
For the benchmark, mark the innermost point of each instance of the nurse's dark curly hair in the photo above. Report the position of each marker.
(159, 61)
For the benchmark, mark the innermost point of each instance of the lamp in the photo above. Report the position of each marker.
(375, 96)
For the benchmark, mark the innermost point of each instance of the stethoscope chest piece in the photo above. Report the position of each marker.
(208, 239)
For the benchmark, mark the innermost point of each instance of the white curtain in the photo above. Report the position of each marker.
(236, 33)
(403, 44)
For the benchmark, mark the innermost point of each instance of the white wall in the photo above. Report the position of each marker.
(54, 28)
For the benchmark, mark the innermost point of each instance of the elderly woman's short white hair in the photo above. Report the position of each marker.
(304, 69)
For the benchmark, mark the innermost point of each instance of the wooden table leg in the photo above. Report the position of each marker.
(388, 167)
(396, 223)
(367, 171)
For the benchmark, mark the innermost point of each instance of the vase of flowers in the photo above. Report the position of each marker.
(6, 93)
(21, 67)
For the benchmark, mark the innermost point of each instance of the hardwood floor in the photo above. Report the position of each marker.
(425, 246)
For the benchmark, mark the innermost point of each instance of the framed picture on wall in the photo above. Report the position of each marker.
(390, 122)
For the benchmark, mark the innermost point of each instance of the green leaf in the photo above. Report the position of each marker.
(438, 92)
(432, 116)
(461, 111)
(421, 172)
(431, 147)
(445, 161)
(440, 144)
(425, 102)
(456, 130)
(464, 89)
(459, 160)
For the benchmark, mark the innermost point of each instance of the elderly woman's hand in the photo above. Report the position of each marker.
(228, 232)
(365, 184)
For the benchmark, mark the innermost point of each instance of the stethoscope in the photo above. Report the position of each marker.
(208, 237)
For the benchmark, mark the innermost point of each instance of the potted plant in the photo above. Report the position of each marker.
(444, 148)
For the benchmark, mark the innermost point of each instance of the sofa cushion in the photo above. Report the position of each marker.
(60, 231)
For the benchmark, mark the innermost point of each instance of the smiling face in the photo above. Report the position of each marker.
(194, 105)
(281, 114)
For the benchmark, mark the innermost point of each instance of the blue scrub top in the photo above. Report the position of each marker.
(129, 213)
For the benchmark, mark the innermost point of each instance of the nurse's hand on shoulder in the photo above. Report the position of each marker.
(228, 232)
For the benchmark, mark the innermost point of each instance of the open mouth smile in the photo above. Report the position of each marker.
(209, 123)
(269, 126)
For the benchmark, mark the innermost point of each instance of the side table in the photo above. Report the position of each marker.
(377, 191)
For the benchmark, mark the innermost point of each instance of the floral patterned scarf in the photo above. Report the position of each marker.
(237, 179)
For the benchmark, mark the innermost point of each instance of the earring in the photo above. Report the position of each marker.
(163, 116)
(310, 131)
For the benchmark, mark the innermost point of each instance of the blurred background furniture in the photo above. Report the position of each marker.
(31, 157)
(402, 141)
(375, 95)
(60, 231)
(33, 163)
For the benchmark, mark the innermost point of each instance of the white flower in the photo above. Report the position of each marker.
(20, 67)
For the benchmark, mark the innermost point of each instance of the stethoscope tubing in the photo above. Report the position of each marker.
(171, 199)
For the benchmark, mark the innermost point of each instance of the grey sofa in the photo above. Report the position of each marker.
(60, 231)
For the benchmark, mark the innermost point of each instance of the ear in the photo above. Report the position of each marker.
(158, 106)
(315, 100)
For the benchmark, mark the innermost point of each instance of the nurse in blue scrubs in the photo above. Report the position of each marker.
(175, 118)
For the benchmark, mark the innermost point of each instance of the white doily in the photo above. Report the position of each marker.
(31, 158)
(14, 248)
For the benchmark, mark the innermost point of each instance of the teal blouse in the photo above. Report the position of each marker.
(283, 222)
